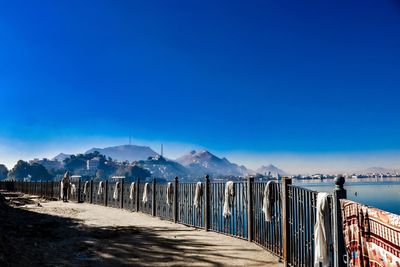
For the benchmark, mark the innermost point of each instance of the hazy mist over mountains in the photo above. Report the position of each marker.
(195, 163)
(270, 169)
(125, 152)
(204, 161)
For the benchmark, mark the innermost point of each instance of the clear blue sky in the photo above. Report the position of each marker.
(304, 77)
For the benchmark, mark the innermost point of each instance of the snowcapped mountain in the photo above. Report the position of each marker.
(265, 170)
(126, 152)
(204, 162)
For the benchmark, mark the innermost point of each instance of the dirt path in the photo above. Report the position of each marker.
(71, 234)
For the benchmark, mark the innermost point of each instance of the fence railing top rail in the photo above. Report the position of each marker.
(302, 188)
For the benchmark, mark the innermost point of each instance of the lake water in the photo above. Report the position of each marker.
(382, 193)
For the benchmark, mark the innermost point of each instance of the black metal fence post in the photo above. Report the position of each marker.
(207, 203)
(52, 189)
(339, 250)
(59, 186)
(106, 193)
(153, 198)
(285, 220)
(250, 210)
(175, 207)
(137, 192)
(91, 192)
(79, 190)
(121, 200)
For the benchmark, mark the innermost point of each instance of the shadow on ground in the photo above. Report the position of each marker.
(33, 239)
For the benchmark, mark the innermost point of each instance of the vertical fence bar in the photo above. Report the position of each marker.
(137, 194)
(338, 242)
(52, 190)
(91, 192)
(175, 207)
(121, 201)
(59, 186)
(250, 211)
(106, 193)
(153, 198)
(79, 190)
(207, 203)
(285, 219)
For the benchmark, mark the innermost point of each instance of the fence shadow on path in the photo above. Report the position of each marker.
(29, 238)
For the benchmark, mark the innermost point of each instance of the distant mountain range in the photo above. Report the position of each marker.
(60, 157)
(195, 164)
(265, 170)
(204, 162)
(161, 167)
(126, 152)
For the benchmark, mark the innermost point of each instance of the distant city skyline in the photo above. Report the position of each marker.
(309, 87)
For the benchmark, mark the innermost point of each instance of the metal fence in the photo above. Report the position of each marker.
(268, 234)
(236, 223)
(146, 206)
(129, 201)
(302, 217)
(98, 197)
(87, 191)
(188, 213)
(75, 192)
(289, 234)
(164, 209)
(113, 194)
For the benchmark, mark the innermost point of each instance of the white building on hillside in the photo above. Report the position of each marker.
(92, 164)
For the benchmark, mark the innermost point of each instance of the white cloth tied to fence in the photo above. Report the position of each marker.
(73, 189)
(132, 190)
(145, 193)
(116, 190)
(169, 193)
(322, 232)
(85, 187)
(268, 201)
(100, 190)
(62, 189)
(229, 195)
(197, 195)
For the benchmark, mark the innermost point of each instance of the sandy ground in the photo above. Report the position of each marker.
(71, 234)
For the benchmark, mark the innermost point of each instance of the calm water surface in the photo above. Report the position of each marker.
(382, 193)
